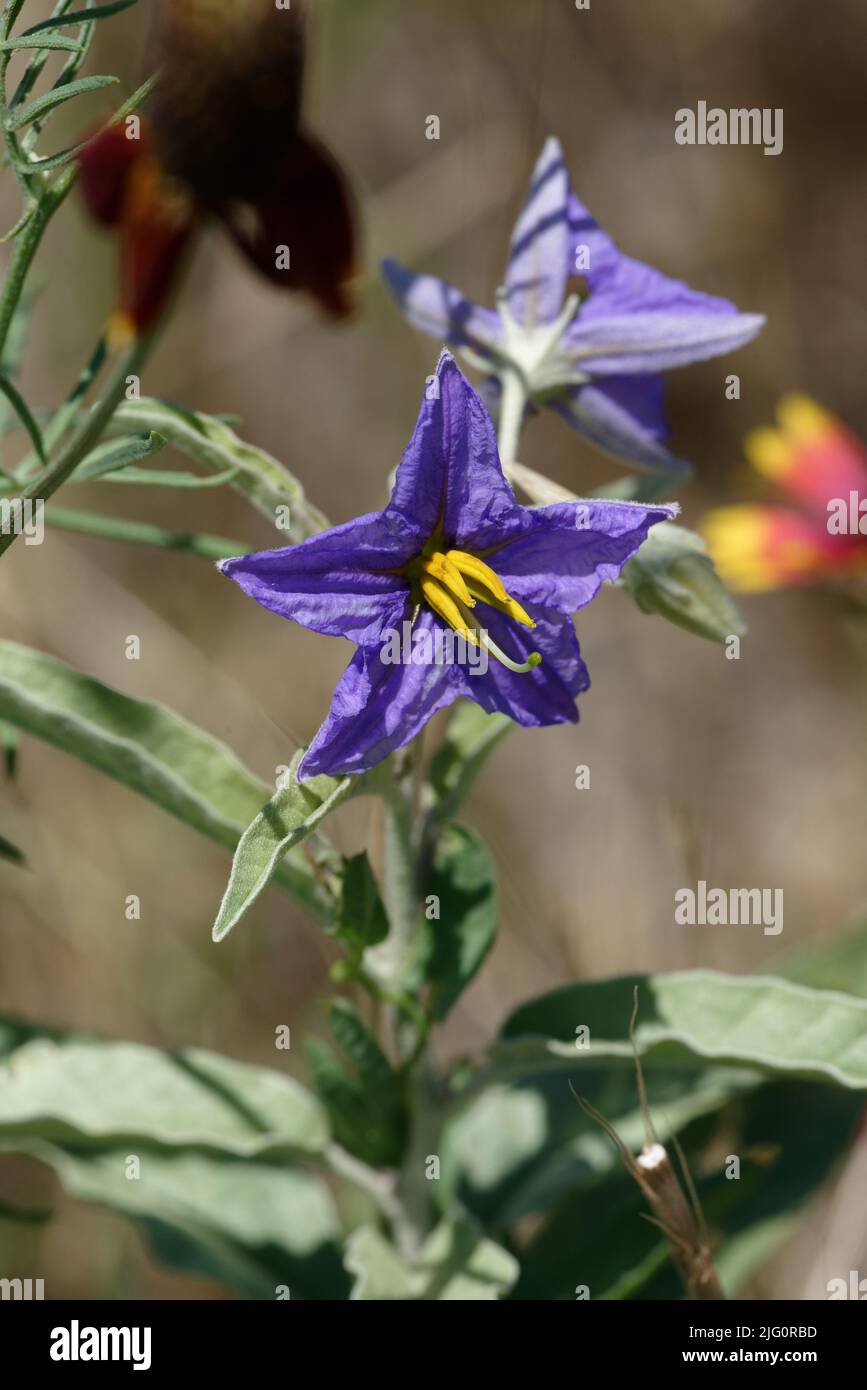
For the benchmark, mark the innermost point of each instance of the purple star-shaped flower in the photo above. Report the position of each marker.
(596, 356)
(453, 559)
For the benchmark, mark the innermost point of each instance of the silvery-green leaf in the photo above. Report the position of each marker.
(56, 96)
(209, 440)
(267, 1231)
(289, 817)
(456, 1263)
(692, 1017)
(147, 747)
(118, 454)
(91, 1091)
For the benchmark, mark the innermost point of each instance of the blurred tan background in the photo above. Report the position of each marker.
(745, 773)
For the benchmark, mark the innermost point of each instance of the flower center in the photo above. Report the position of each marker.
(451, 582)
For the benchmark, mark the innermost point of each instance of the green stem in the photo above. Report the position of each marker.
(388, 962)
(414, 1187)
(116, 528)
(88, 434)
(26, 247)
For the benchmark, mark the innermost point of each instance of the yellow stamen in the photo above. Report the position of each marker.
(442, 603)
(485, 585)
(451, 582)
(475, 568)
(441, 568)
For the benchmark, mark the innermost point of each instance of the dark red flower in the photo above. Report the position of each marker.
(222, 137)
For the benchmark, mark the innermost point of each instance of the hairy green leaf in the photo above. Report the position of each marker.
(40, 106)
(116, 455)
(81, 16)
(147, 747)
(89, 1091)
(694, 1016)
(268, 1232)
(289, 817)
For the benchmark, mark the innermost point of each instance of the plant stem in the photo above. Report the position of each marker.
(26, 246)
(387, 962)
(88, 433)
(414, 1189)
(376, 1185)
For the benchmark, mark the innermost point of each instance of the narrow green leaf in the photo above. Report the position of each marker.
(210, 441)
(377, 1133)
(169, 477)
(147, 747)
(26, 215)
(80, 16)
(65, 1088)
(45, 42)
(41, 105)
(50, 161)
(116, 528)
(22, 410)
(117, 455)
(694, 1016)
(287, 819)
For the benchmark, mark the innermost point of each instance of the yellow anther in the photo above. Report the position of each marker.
(438, 566)
(487, 586)
(442, 603)
(475, 568)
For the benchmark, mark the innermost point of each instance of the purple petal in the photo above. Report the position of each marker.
(439, 309)
(568, 549)
(539, 255)
(639, 320)
(545, 695)
(624, 416)
(378, 708)
(329, 583)
(450, 478)
(653, 342)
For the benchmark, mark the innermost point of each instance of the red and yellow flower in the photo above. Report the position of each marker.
(820, 466)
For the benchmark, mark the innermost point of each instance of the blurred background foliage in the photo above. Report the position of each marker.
(743, 773)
